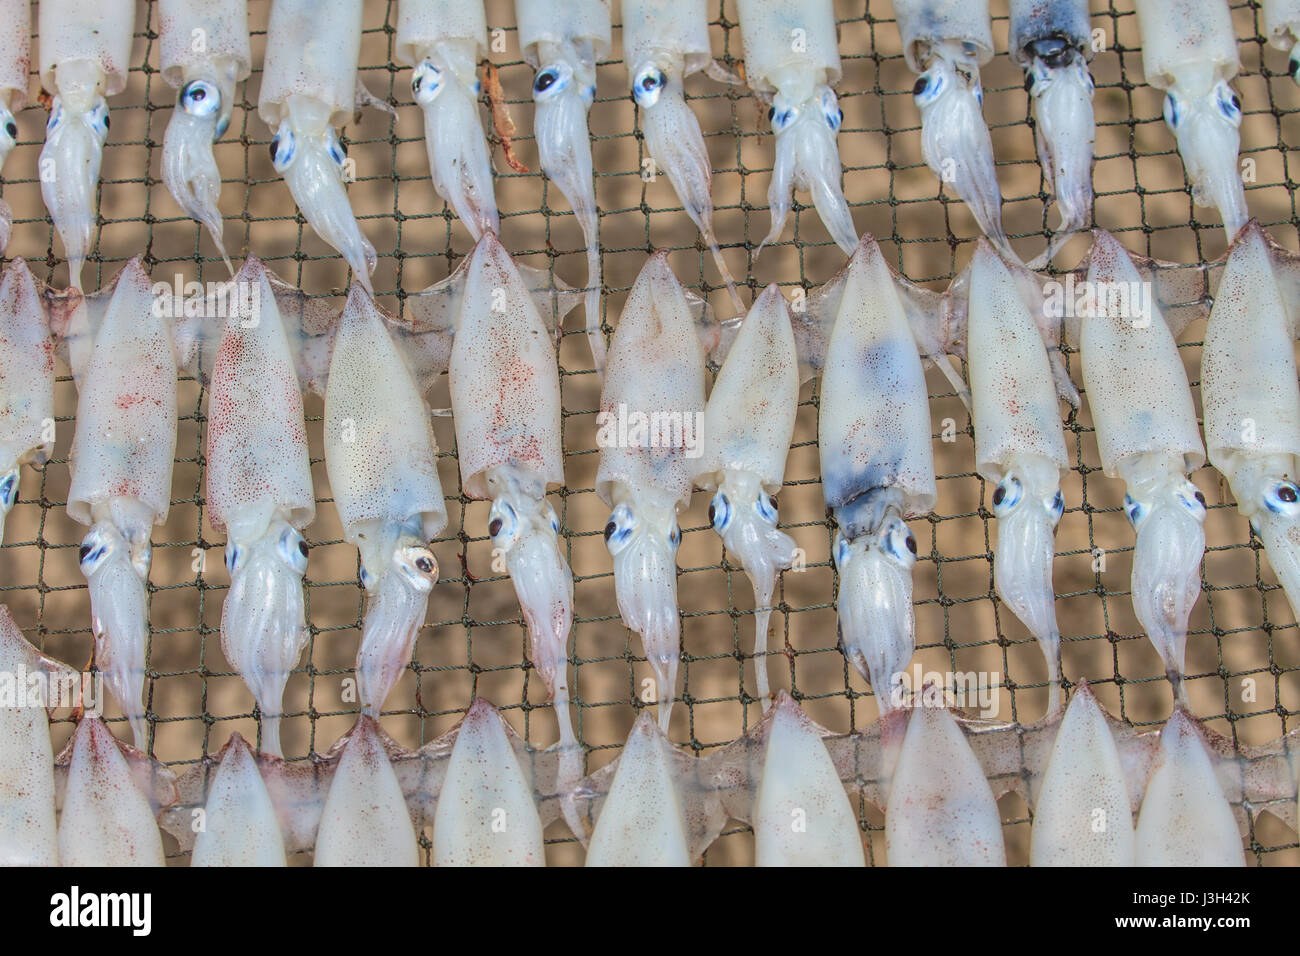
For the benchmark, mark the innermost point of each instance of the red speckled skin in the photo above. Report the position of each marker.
(26, 369)
(15, 50)
(225, 36)
(95, 30)
(312, 48)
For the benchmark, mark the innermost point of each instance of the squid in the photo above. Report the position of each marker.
(1189, 50)
(664, 42)
(260, 493)
(309, 89)
(877, 468)
(650, 407)
(380, 455)
(1252, 402)
(122, 452)
(205, 53)
(85, 52)
(1282, 27)
(748, 424)
(443, 40)
(26, 380)
(1052, 42)
(239, 822)
(792, 59)
(1147, 435)
(15, 62)
(563, 40)
(945, 42)
(1019, 448)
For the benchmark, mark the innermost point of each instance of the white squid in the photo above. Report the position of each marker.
(1282, 27)
(259, 493)
(1189, 50)
(15, 62)
(1019, 448)
(121, 463)
(26, 381)
(205, 53)
(877, 468)
(309, 89)
(664, 42)
(649, 433)
(563, 40)
(381, 457)
(1252, 402)
(748, 424)
(239, 822)
(946, 42)
(1051, 40)
(85, 51)
(1147, 435)
(443, 40)
(792, 58)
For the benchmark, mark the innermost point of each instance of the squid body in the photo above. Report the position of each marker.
(121, 465)
(1189, 50)
(239, 822)
(1051, 40)
(15, 63)
(1252, 402)
(792, 57)
(877, 468)
(85, 50)
(260, 493)
(380, 454)
(563, 40)
(1147, 435)
(1282, 27)
(665, 41)
(748, 424)
(946, 42)
(649, 437)
(443, 40)
(205, 53)
(26, 381)
(1019, 448)
(309, 89)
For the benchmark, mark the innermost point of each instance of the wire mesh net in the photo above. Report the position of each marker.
(1243, 648)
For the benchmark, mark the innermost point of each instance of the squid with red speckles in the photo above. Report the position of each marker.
(15, 60)
(205, 53)
(85, 48)
(26, 381)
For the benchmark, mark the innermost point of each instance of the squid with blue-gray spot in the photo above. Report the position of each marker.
(1189, 50)
(443, 40)
(85, 51)
(205, 53)
(1146, 435)
(792, 60)
(309, 90)
(946, 42)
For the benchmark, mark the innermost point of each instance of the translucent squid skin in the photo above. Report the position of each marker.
(1194, 64)
(205, 53)
(1147, 434)
(15, 60)
(84, 51)
(805, 114)
(1252, 402)
(877, 467)
(443, 40)
(655, 374)
(945, 41)
(1282, 27)
(308, 91)
(564, 39)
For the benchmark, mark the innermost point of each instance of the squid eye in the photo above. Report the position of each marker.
(10, 136)
(98, 119)
(233, 556)
(619, 529)
(1173, 111)
(554, 521)
(1136, 510)
(426, 84)
(649, 83)
(1294, 67)
(840, 553)
(419, 566)
(1056, 507)
(200, 98)
(720, 512)
(337, 151)
(56, 116)
(284, 148)
(1191, 498)
(831, 110)
(94, 549)
(782, 119)
(978, 90)
(928, 87)
(1229, 103)
(765, 505)
(896, 540)
(1283, 498)
(552, 81)
(1007, 495)
(292, 550)
(9, 489)
(503, 524)
(365, 578)
(675, 536)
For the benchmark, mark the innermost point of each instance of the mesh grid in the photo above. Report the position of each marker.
(473, 642)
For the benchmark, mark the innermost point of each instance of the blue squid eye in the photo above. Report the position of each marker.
(1007, 495)
(426, 84)
(98, 119)
(336, 149)
(365, 578)
(233, 555)
(1136, 510)
(1229, 102)
(200, 98)
(552, 81)
(284, 148)
(1293, 67)
(8, 129)
(619, 529)
(928, 87)
(292, 550)
(647, 86)
(978, 90)
(94, 549)
(56, 116)
(503, 524)
(720, 512)
(1056, 507)
(675, 536)
(419, 566)
(1173, 111)
(765, 505)
(554, 521)
(9, 489)
(1283, 498)
(840, 553)
(831, 110)
(1191, 498)
(896, 540)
